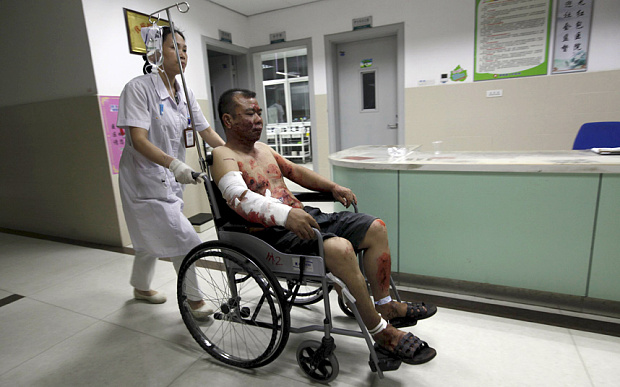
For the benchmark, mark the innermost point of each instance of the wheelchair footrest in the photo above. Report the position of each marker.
(386, 363)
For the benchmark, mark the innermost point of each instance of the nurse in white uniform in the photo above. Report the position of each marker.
(154, 113)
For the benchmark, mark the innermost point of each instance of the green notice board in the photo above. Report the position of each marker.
(512, 38)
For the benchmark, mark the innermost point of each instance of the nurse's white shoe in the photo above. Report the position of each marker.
(201, 313)
(157, 298)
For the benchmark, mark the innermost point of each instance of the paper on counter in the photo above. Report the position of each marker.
(606, 151)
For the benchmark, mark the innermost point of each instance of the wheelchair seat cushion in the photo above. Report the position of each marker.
(349, 225)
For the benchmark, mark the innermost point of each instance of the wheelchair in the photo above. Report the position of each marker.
(252, 289)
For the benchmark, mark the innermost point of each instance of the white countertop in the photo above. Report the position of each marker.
(377, 157)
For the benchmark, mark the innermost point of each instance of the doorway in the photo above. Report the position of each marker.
(365, 87)
(223, 76)
(227, 66)
(367, 96)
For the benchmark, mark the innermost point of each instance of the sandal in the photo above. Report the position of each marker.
(409, 349)
(415, 311)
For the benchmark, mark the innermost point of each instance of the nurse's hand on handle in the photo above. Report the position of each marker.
(183, 172)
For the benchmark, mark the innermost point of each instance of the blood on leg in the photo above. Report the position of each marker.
(384, 265)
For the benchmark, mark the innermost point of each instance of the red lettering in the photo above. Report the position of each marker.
(274, 260)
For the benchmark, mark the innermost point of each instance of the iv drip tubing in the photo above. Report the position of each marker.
(176, 49)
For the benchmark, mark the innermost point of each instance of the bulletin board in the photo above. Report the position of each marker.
(572, 35)
(115, 136)
(512, 38)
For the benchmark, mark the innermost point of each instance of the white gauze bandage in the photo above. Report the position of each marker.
(381, 326)
(251, 206)
(384, 300)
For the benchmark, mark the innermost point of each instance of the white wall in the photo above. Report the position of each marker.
(46, 52)
(114, 65)
(439, 34)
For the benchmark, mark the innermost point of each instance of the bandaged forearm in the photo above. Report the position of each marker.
(251, 206)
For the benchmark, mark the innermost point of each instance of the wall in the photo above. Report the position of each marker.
(439, 36)
(54, 166)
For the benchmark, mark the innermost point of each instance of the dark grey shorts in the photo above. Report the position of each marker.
(349, 225)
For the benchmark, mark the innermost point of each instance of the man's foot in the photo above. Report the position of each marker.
(149, 295)
(404, 346)
(405, 314)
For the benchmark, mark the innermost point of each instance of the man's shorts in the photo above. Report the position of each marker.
(349, 225)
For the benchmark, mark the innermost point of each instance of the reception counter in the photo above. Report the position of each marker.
(541, 221)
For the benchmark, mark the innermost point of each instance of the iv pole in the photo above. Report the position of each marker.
(201, 159)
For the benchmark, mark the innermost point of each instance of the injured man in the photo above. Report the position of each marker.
(251, 174)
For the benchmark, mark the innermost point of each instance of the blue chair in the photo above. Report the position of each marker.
(598, 135)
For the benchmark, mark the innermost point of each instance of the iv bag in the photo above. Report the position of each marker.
(153, 41)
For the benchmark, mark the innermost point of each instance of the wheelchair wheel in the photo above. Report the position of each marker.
(251, 323)
(315, 364)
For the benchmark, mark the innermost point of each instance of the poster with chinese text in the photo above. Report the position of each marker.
(115, 136)
(572, 36)
(512, 38)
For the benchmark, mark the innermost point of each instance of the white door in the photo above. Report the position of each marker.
(367, 96)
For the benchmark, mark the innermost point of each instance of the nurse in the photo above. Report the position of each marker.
(152, 172)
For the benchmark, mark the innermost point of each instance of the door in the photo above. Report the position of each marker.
(223, 76)
(367, 93)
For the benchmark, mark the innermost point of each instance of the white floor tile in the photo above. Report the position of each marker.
(30, 267)
(104, 355)
(601, 356)
(97, 292)
(29, 328)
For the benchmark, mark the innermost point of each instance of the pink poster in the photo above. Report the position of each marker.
(115, 136)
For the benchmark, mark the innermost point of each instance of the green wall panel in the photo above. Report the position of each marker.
(514, 229)
(605, 276)
(377, 194)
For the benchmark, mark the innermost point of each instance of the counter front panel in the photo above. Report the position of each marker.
(545, 221)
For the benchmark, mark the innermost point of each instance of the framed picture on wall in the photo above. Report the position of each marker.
(134, 21)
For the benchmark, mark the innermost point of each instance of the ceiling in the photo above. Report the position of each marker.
(255, 7)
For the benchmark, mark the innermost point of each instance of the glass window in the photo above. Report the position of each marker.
(368, 91)
(300, 101)
(297, 66)
(276, 103)
(273, 69)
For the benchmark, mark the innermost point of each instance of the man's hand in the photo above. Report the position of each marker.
(344, 195)
(301, 223)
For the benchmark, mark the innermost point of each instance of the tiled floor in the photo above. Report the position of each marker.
(77, 325)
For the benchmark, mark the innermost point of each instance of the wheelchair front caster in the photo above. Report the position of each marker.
(317, 361)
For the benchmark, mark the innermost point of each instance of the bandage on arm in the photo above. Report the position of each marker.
(251, 206)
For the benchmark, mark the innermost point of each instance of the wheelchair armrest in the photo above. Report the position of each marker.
(318, 197)
(314, 196)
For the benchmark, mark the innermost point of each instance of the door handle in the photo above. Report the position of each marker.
(393, 126)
